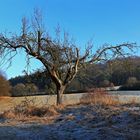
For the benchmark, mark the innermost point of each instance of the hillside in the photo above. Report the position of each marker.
(114, 72)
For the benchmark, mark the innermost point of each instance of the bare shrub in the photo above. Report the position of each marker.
(99, 97)
(8, 114)
(4, 86)
(31, 89)
(24, 106)
(28, 109)
(131, 81)
(105, 83)
(24, 90)
(41, 111)
(18, 90)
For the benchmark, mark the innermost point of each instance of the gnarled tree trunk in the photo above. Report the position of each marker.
(60, 91)
(60, 86)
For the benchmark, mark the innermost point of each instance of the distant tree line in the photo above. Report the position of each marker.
(112, 73)
(122, 71)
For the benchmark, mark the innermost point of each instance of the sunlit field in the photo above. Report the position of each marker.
(91, 116)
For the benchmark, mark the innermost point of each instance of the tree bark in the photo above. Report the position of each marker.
(60, 92)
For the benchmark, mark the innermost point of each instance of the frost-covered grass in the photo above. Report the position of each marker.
(98, 116)
(81, 121)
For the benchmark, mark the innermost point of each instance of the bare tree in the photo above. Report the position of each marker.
(60, 57)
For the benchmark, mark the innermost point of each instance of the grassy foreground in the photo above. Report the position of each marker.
(97, 116)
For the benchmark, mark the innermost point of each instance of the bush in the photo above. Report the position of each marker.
(98, 97)
(31, 88)
(135, 86)
(131, 81)
(131, 84)
(4, 86)
(24, 90)
(18, 90)
(105, 83)
(28, 109)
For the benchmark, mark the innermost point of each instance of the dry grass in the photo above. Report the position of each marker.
(30, 112)
(80, 121)
(99, 97)
(4, 97)
(133, 101)
(26, 109)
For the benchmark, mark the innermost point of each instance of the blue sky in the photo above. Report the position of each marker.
(105, 21)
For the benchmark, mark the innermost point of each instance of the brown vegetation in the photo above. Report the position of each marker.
(4, 86)
(27, 109)
(77, 122)
(99, 97)
(24, 89)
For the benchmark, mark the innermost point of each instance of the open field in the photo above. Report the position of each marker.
(10, 102)
(103, 118)
(84, 122)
